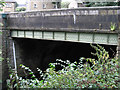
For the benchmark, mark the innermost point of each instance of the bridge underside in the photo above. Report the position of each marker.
(97, 38)
(39, 53)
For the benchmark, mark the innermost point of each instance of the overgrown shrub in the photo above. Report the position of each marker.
(102, 74)
(1, 4)
(20, 9)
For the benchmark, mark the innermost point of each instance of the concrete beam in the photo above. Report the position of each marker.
(97, 38)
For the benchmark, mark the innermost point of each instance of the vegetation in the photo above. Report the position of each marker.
(102, 74)
(112, 26)
(1, 4)
(94, 4)
(0, 56)
(20, 9)
(65, 4)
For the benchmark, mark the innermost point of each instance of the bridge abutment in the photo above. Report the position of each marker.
(7, 54)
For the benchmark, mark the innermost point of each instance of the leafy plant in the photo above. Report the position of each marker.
(20, 9)
(112, 26)
(1, 59)
(99, 4)
(65, 4)
(1, 24)
(102, 74)
(1, 5)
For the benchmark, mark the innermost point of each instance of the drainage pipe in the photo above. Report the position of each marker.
(14, 57)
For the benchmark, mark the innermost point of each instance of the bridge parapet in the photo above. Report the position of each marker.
(85, 18)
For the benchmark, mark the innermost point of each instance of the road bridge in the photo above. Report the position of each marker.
(87, 25)
(41, 37)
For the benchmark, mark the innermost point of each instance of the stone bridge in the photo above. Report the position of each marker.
(41, 37)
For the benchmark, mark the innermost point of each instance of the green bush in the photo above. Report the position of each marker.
(102, 74)
(65, 4)
(20, 9)
(101, 4)
(1, 4)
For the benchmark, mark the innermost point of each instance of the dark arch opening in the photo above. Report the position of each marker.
(36, 53)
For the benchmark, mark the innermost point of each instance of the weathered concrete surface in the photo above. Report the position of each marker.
(86, 18)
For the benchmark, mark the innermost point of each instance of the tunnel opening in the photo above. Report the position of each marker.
(35, 53)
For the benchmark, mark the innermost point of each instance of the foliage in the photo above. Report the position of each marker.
(1, 4)
(112, 26)
(65, 4)
(16, 4)
(1, 57)
(1, 26)
(102, 74)
(20, 9)
(0, 50)
(95, 4)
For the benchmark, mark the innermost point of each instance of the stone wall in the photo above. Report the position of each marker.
(40, 5)
(6, 50)
(4, 55)
(0, 54)
(0, 31)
